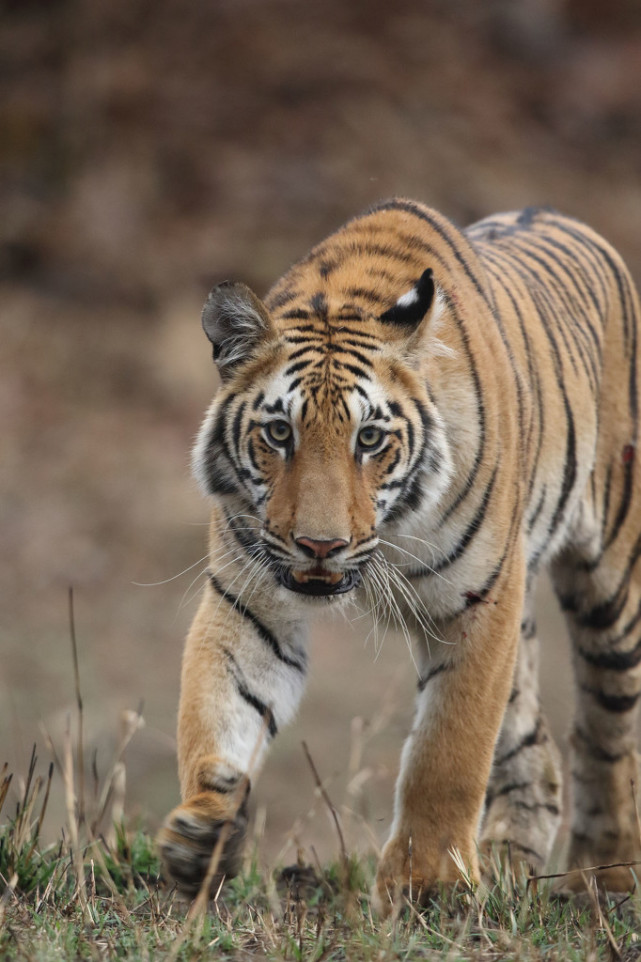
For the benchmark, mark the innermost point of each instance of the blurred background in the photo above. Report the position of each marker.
(151, 149)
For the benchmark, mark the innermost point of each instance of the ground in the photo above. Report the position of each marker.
(151, 151)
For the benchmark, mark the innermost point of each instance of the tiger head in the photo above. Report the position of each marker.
(324, 431)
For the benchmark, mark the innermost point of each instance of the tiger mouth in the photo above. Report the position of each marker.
(319, 581)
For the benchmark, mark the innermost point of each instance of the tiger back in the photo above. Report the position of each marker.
(424, 418)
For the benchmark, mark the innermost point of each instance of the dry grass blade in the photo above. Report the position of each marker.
(80, 747)
(591, 887)
(6, 896)
(330, 805)
(130, 723)
(633, 789)
(32, 768)
(72, 823)
(588, 870)
(6, 782)
(45, 802)
(108, 881)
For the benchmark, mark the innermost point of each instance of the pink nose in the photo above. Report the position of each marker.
(320, 549)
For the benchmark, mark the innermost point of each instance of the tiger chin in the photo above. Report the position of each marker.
(423, 419)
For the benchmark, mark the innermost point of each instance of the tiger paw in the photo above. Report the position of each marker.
(417, 877)
(191, 834)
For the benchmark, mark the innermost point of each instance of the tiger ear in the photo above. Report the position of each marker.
(413, 305)
(235, 321)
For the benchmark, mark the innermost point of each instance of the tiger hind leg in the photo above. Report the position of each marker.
(602, 602)
(523, 800)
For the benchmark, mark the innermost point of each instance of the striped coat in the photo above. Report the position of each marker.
(426, 418)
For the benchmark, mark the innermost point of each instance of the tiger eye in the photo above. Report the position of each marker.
(278, 431)
(370, 436)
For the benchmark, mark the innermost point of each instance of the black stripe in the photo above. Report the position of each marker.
(410, 500)
(223, 784)
(537, 511)
(318, 304)
(607, 613)
(263, 632)
(569, 466)
(436, 670)
(249, 696)
(532, 738)
(595, 751)
(303, 350)
(362, 249)
(298, 366)
(237, 423)
(218, 457)
(363, 358)
(535, 806)
(274, 301)
(368, 294)
(245, 539)
(569, 463)
(263, 710)
(613, 660)
(517, 850)
(528, 629)
(472, 529)
(358, 371)
(624, 503)
(510, 787)
(480, 408)
(614, 703)
(312, 340)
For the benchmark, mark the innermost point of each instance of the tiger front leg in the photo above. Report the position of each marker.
(447, 758)
(240, 684)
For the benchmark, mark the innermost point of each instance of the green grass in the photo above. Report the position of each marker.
(85, 899)
(98, 894)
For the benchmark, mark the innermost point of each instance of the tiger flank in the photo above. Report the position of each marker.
(426, 418)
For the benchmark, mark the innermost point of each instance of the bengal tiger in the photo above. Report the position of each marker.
(425, 418)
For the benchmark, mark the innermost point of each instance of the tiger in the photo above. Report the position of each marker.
(422, 419)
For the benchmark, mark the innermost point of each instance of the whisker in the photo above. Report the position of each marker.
(155, 584)
(184, 601)
(416, 606)
(420, 561)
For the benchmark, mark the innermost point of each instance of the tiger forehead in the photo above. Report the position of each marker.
(325, 398)
(326, 348)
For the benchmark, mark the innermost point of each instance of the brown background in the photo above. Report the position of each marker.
(150, 149)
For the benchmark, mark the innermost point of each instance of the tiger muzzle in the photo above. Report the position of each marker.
(319, 581)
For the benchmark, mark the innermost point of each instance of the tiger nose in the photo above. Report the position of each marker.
(320, 549)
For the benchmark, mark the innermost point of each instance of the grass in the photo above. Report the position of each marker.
(88, 898)
(98, 893)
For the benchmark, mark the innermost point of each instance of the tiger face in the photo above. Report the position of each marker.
(324, 432)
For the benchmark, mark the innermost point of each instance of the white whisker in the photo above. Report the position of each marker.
(155, 584)
(409, 554)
